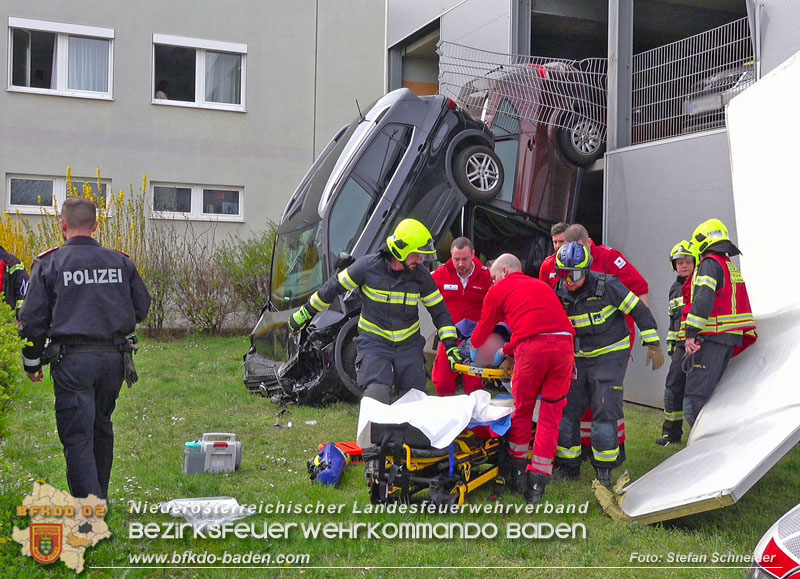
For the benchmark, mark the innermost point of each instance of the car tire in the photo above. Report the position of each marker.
(344, 357)
(581, 140)
(478, 172)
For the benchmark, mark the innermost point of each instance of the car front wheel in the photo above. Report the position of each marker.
(582, 140)
(478, 172)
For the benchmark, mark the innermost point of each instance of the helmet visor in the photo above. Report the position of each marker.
(573, 275)
(427, 248)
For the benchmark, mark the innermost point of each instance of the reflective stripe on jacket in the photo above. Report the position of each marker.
(599, 320)
(389, 305)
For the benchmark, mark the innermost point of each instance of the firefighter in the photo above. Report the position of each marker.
(86, 299)
(542, 344)
(719, 322)
(596, 304)
(547, 271)
(392, 282)
(608, 260)
(13, 279)
(463, 282)
(684, 259)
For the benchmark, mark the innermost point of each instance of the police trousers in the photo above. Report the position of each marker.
(86, 387)
(707, 368)
(381, 364)
(673, 395)
(598, 386)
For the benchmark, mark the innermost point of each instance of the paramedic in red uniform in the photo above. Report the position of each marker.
(547, 271)
(542, 344)
(463, 282)
(608, 260)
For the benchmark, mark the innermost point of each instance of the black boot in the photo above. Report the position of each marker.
(535, 487)
(517, 467)
(667, 439)
(570, 473)
(603, 476)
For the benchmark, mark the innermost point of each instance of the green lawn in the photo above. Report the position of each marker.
(194, 385)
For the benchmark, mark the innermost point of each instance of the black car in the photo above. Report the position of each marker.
(408, 156)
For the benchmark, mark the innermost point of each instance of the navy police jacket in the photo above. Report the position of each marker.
(81, 292)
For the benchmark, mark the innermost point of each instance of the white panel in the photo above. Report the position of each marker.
(763, 125)
(752, 418)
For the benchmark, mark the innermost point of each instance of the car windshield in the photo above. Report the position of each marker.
(296, 267)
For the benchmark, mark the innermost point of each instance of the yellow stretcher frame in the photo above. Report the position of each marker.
(481, 372)
(475, 466)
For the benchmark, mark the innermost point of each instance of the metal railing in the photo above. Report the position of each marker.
(678, 88)
(683, 87)
(511, 88)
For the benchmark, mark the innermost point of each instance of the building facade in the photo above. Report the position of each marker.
(222, 105)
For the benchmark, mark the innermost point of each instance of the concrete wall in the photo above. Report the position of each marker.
(779, 22)
(304, 72)
(655, 195)
(485, 24)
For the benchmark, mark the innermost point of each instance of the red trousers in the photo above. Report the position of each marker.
(586, 419)
(542, 366)
(444, 379)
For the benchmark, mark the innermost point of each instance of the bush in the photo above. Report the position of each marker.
(11, 373)
(203, 292)
(246, 263)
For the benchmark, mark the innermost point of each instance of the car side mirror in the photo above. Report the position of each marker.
(344, 260)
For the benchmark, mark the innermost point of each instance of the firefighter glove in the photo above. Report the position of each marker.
(454, 355)
(670, 347)
(300, 319)
(654, 356)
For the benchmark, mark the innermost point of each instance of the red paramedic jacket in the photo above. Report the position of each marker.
(527, 305)
(463, 303)
(604, 260)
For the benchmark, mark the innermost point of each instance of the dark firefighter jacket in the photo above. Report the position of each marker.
(389, 308)
(596, 311)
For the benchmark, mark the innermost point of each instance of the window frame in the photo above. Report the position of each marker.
(59, 192)
(196, 203)
(63, 32)
(201, 47)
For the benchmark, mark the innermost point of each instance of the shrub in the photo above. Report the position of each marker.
(10, 362)
(203, 292)
(246, 263)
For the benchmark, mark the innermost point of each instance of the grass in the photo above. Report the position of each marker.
(193, 385)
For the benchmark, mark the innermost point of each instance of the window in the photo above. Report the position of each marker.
(173, 201)
(60, 59)
(198, 73)
(35, 193)
(507, 150)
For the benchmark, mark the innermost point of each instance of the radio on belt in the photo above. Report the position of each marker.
(217, 452)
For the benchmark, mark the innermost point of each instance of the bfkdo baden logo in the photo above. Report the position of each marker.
(62, 527)
(46, 540)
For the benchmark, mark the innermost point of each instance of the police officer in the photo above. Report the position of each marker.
(13, 279)
(86, 300)
(392, 283)
(596, 305)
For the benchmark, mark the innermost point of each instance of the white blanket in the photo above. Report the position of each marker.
(441, 419)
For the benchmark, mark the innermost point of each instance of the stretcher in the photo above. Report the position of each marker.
(403, 467)
(487, 373)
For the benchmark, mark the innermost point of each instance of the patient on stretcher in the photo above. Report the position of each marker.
(490, 354)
